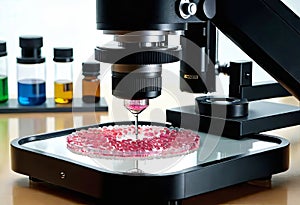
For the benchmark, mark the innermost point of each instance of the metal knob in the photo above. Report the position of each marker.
(187, 9)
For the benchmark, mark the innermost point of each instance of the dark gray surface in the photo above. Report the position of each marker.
(12, 106)
(263, 116)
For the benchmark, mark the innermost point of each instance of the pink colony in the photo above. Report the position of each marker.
(137, 108)
(117, 142)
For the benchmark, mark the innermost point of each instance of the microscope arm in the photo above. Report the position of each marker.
(269, 32)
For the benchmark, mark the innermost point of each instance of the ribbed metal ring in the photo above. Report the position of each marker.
(142, 56)
(222, 107)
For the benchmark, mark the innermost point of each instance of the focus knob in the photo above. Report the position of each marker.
(187, 9)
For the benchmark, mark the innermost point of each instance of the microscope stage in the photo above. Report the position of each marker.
(263, 116)
(219, 162)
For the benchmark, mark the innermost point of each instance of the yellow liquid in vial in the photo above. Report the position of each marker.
(63, 91)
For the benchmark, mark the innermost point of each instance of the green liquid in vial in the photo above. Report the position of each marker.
(3, 89)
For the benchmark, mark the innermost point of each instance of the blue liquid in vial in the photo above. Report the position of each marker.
(31, 92)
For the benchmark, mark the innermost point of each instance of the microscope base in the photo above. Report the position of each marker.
(220, 162)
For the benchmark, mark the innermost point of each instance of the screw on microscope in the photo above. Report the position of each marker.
(62, 175)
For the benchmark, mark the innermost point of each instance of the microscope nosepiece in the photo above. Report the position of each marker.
(137, 59)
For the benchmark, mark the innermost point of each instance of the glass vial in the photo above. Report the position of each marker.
(90, 82)
(31, 72)
(63, 79)
(3, 73)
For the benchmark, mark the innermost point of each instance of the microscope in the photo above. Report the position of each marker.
(232, 150)
(141, 47)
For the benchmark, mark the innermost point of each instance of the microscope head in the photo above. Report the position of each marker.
(140, 46)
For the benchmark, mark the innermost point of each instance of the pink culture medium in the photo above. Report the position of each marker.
(136, 108)
(120, 142)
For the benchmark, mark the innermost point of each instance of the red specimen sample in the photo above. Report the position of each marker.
(117, 142)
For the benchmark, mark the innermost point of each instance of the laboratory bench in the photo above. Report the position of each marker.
(282, 189)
